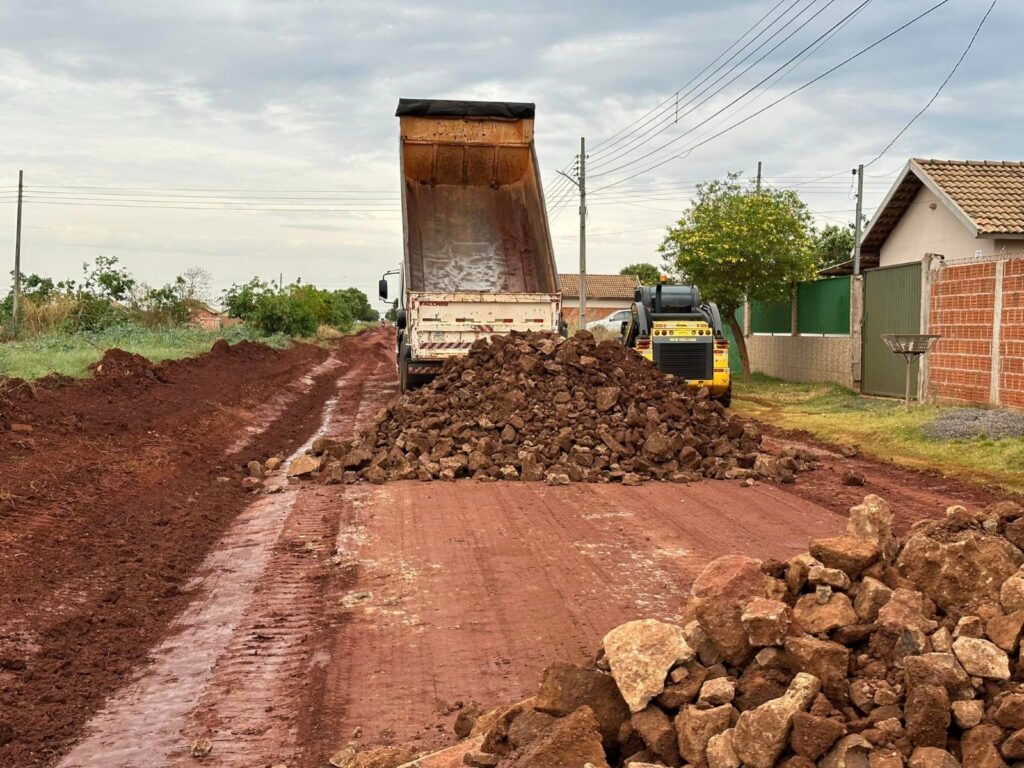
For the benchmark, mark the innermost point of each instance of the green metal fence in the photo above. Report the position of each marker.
(771, 317)
(823, 306)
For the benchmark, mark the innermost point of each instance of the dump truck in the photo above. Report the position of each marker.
(478, 256)
(671, 327)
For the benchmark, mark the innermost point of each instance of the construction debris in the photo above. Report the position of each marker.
(866, 651)
(536, 406)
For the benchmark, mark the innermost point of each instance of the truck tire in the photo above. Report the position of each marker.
(403, 374)
(726, 397)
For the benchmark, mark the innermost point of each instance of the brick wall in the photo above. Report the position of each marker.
(962, 311)
(1011, 342)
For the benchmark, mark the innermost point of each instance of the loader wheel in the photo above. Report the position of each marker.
(726, 397)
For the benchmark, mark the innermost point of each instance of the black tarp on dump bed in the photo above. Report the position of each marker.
(510, 110)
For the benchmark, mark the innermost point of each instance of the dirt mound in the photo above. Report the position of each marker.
(866, 650)
(116, 362)
(539, 407)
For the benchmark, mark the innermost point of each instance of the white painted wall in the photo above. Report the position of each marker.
(923, 229)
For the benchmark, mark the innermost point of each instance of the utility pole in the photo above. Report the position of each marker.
(758, 175)
(859, 173)
(581, 183)
(583, 233)
(16, 310)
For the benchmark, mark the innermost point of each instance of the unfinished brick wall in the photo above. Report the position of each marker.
(962, 309)
(1011, 342)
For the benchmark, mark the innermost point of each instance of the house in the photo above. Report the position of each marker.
(605, 294)
(201, 316)
(943, 255)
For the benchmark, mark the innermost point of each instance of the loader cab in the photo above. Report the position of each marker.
(671, 327)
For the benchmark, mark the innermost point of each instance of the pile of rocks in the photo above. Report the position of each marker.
(539, 407)
(865, 652)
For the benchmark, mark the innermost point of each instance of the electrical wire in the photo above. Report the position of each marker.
(786, 96)
(691, 107)
(739, 98)
(596, 149)
(935, 95)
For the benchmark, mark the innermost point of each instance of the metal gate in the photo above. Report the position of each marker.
(892, 304)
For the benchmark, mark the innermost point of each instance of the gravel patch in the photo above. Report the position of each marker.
(961, 423)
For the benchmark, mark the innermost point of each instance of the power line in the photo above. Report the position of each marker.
(791, 93)
(935, 95)
(737, 99)
(667, 122)
(595, 151)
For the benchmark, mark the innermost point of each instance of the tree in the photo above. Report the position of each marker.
(648, 273)
(736, 243)
(833, 245)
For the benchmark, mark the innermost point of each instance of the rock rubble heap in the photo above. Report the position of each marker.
(539, 407)
(865, 652)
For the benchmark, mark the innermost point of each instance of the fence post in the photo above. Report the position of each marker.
(997, 332)
(924, 368)
(793, 313)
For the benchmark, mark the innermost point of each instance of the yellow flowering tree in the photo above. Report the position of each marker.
(736, 243)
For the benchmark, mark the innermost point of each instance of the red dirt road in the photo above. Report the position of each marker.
(145, 604)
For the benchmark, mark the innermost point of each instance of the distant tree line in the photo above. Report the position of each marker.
(297, 309)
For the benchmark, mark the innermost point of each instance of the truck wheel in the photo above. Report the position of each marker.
(403, 375)
(726, 397)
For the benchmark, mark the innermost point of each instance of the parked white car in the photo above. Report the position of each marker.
(612, 322)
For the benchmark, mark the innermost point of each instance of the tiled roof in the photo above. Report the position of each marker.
(991, 193)
(599, 286)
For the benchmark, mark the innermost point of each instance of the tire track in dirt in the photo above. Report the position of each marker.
(468, 590)
(244, 642)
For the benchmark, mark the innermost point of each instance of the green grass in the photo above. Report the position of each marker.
(71, 354)
(879, 427)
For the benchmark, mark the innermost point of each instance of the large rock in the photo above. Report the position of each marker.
(981, 658)
(932, 757)
(303, 465)
(871, 596)
(926, 713)
(1011, 593)
(847, 553)
(695, 727)
(719, 593)
(1005, 630)
(825, 660)
(849, 752)
(762, 733)
(658, 734)
(813, 736)
(979, 747)
(938, 669)
(816, 617)
(905, 610)
(640, 654)
(381, 757)
(721, 751)
(564, 688)
(574, 740)
(872, 520)
(962, 569)
(767, 622)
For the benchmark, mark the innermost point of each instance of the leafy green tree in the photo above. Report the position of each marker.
(736, 243)
(647, 273)
(392, 314)
(833, 245)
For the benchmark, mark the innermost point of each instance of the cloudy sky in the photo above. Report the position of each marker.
(259, 137)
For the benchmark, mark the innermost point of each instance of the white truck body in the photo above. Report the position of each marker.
(443, 325)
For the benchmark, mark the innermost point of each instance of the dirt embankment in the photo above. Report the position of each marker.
(111, 492)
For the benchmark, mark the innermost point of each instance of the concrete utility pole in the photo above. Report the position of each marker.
(758, 175)
(583, 233)
(859, 173)
(16, 310)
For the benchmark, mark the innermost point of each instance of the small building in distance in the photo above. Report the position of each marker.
(605, 294)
